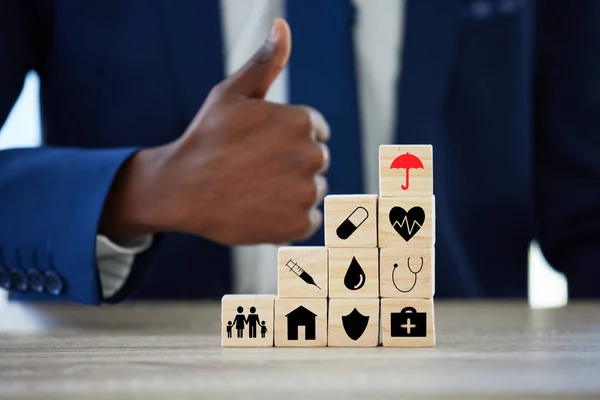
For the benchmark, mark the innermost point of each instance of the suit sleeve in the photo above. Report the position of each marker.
(51, 199)
(567, 140)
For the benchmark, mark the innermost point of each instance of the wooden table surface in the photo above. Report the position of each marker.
(172, 351)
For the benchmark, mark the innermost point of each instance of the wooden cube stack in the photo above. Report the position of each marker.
(351, 237)
(373, 280)
(406, 245)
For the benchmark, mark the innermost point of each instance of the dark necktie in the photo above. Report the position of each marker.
(322, 75)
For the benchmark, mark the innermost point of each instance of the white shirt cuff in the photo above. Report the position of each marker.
(115, 260)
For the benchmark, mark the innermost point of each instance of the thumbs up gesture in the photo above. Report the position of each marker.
(246, 170)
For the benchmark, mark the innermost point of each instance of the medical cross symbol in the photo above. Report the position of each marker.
(408, 323)
(408, 326)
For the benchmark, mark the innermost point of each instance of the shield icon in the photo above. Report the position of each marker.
(355, 324)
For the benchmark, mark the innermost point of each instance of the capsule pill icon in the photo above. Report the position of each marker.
(351, 224)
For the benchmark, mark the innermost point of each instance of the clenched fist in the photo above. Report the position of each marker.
(246, 171)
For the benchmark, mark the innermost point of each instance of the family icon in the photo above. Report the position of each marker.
(240, 321)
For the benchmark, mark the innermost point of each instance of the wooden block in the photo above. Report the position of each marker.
(407, 273)
(351, 220)
(407, 323)
(353, 323)
(354, 273)
(247, 320)
(300, 322)
(302, 272)
(406, 170)
(407, 223)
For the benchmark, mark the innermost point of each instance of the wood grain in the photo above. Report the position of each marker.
(340, 260)
(424, 237)
(397, 273)
(285, 310)
(392, 179)
(313, 260)
(264, 308)
(484, 350)
(338, 308)
(391, 308)
(338, 208)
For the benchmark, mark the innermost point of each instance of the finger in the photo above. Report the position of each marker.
(322, 188)
(255, 78)
(326, 158)
(320, 127)
(315, 215)
(316, 219)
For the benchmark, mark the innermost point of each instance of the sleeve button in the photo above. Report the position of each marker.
(53, 283)
(4, 279)
(18, 279)
(36, 280)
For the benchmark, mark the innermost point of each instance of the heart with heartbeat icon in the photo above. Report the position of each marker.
(407, 224)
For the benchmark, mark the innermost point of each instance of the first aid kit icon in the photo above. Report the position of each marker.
(409, 323)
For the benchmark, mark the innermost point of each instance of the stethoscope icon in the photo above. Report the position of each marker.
(411, 270)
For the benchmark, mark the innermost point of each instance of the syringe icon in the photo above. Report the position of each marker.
(302, 274)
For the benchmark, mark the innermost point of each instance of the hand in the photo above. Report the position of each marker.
(246, 171)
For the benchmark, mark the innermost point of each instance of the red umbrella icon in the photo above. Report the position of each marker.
(407, 161)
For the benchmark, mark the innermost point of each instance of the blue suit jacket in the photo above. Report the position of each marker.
(114, 76)
(507, 94)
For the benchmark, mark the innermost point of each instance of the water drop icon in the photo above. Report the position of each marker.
(355, 276)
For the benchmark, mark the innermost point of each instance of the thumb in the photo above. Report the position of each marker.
(257, 75)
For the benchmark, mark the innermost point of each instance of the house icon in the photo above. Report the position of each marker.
(301, 316)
